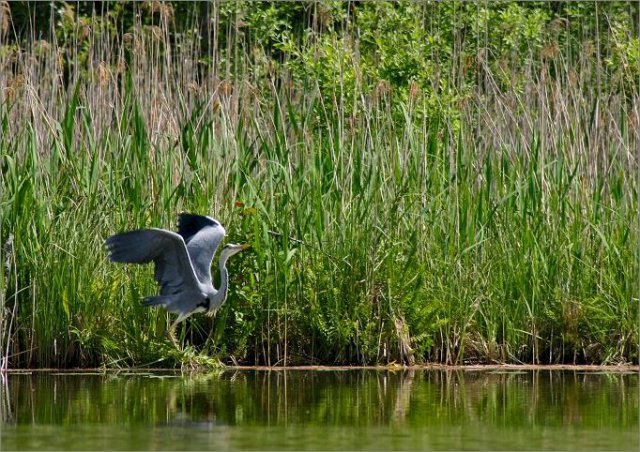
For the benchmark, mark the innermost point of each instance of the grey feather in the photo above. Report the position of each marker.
(160, 300)
(173, 269)
(202, 236)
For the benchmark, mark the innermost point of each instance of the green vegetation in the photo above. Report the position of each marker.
(442, 182)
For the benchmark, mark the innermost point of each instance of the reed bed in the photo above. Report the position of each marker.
(486, 212)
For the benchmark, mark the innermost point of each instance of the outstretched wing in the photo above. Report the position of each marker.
(202, 236)
(166, 249)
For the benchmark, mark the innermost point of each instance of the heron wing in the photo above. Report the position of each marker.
(173, 268)
(202, 236)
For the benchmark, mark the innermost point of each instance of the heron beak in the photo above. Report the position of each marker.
(244, 246)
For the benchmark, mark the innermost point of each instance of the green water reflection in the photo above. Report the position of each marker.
(320, 410)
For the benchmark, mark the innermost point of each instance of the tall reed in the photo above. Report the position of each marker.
(489, 216)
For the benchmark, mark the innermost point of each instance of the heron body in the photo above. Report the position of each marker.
(182, 263)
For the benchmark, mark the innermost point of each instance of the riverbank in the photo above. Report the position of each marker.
(391, 368)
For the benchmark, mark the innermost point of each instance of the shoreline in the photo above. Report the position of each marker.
(620, 368)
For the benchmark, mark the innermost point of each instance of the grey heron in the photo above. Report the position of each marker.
(182, 264)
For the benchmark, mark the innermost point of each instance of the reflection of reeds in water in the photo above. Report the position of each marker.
(426, 399)
(6, 413)
(403, 397)
(415, 409)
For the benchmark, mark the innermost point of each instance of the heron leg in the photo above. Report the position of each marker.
(171, 335)
(171, 332)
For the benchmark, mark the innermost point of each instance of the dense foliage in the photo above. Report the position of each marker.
(434, 181)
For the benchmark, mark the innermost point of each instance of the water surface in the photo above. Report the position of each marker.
(322, 410)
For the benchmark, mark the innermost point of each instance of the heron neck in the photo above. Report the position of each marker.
(224, 280)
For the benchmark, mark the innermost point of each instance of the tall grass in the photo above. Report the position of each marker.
(491, 222)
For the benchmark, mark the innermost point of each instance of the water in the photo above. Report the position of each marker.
(322, 410)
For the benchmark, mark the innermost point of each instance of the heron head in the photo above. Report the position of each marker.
(231, 248)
